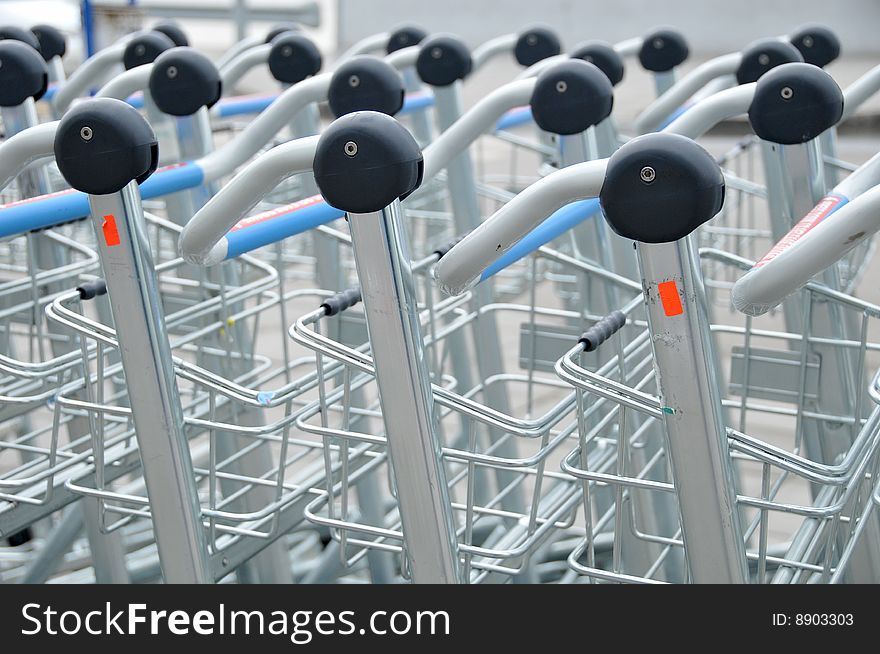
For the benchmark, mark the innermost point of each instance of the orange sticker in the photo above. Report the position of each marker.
(670, 299)
(111, 234)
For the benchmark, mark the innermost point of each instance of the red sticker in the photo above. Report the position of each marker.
(670, 298)
(111, 234)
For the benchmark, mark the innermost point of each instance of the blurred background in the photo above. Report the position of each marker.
(711, 27)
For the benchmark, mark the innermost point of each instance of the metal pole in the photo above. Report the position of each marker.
(692, 414)
(383, 265)
(134, 296)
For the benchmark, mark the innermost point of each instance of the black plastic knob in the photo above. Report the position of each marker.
(604, 57)
(365, 83)
(143, 49)
(51, 40)
(660, 187)
(818, 45)
(14, 33)
(405, 36)
(795, 103)
(764, 55)
(366, 160)
(172, 31)
(23, 73)
(536, 44)
(183, 80)
(663, 49)
(293, 58)
(570, 97)
(103, 144)
(282, 28)
(443, 60)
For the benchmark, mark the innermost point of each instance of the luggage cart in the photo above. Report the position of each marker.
(654, 388)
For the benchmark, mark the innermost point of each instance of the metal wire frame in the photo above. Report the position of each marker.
(618, 414)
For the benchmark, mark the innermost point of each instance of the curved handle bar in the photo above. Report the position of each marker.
(202, 240)
(22, 149)
(652, 117)
(248, 59)
(492, 48)
(859, 91)
(264, 127)
(519, 227)
(246, 43)
(403, 58)
(462, 266)
(127, 84)
(367, 45)
(89, 73)
(479, 119)
(816, 242)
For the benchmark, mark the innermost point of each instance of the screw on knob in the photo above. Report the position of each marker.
(366, 160)
(536, 44)
(795, 103)
(763, 55)
(570, 97)
(660, 187)
(443, 60)
(365, 83)
(103, 144)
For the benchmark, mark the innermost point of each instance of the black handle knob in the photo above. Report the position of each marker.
(602, 330)
(570, 97)
(293, 58)
(663, 49)
(366, 160)
(794, 103)
(604, 57)
(143, 49)
(91, 290)
(183, 80)
(282, 28)
(51, 40)
(341, 301)
(23, 73)
(536, 44)
(764, 55)
(103, 144)
(14, 33)
(444, 249)
(405, 36)
(365, 83)
(660, 187)
(173, 31)
(443, 60)
(818, 45)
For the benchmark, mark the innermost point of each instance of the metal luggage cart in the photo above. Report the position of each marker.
(242, 510)
(495, 541)
(688, 441)
(801, 515)
(37, 358)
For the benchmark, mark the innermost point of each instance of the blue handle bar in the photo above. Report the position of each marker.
(273, 226)
(514, 118)
(57, 208)
(557, 224)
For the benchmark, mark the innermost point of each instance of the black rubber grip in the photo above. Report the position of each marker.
(446, 247)
(341, 301)
(91, 290)
(602, 331)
